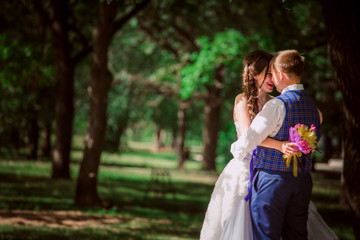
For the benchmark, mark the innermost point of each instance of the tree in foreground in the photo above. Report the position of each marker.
(342, 21)
(100, 82)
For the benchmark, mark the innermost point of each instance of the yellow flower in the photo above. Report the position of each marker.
(310, 137)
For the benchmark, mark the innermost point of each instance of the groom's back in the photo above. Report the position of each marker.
(299, 110)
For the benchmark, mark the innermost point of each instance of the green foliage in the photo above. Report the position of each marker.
(165, 113)
(124, 108)
(131, 103)
(81, 97)
(19, 68)
(25, 87)
(224, 50)
(195, 122)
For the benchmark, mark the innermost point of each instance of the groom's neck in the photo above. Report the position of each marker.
(292, 81)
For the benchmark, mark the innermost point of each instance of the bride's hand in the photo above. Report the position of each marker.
(288, 148)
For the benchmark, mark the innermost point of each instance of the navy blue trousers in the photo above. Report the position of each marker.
(279, 205)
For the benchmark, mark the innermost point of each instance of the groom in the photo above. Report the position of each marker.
(279, 201)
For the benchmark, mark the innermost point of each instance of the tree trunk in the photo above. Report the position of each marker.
(100, 81)
(120, 132)
(212, 121)
(64, 107)
(15, 141)
(33, 138)
(182, 130)
(159, 141)
(112, 143)
(342, 21)
(342, 197)
(46, 141)
(174, 140)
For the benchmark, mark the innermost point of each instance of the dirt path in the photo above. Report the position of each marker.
(65, 219)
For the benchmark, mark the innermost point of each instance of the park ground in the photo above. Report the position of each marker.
(152, 199)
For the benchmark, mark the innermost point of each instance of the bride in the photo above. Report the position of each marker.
(228, 213)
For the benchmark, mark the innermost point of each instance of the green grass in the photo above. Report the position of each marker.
(125, 178)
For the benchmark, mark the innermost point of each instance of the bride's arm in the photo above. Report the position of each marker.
(283, 146)
(242, 117)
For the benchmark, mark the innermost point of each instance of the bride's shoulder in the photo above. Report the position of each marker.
(240, 98)
(241, 102)
(240, 106)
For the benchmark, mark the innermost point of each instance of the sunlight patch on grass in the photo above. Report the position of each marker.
(21, 167)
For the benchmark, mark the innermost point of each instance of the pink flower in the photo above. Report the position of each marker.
(313, 128)
(303, 137)
(304, 147)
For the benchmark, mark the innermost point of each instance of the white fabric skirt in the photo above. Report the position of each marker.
(238, 226)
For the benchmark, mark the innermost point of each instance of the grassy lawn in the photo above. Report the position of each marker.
(138, 213)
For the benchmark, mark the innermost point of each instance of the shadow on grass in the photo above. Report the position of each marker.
(33, 192)
(138, 153)
(136, 197)
(25, 233)
(39, 193)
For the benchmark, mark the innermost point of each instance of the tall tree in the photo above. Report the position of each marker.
(182, 121)
(343, 24)
(66, 38)
(64, 105)
(100, 82)
(212, 68)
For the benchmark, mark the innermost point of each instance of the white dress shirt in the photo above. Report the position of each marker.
(267, 123)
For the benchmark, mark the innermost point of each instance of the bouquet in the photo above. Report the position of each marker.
(305, 139)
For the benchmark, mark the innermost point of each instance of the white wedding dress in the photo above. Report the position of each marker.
(228, 214)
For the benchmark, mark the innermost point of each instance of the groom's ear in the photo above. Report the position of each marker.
(281, 75)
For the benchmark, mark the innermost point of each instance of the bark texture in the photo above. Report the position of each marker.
(343, 24)
(212, 113)
(64, 93)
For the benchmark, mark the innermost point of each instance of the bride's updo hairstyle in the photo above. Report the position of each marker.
(254, 63)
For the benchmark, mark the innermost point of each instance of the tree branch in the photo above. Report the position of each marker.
(120, 23)
(187, 36)
(86, 47)
(82, 54)
(165, 44)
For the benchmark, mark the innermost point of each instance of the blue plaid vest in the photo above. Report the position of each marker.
(299, 109)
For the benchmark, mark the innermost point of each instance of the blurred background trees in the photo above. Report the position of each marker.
(161, 71)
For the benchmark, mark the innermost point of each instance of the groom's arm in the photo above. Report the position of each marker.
(267, 123)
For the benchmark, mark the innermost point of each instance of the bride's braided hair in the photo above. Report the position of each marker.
(254, 63)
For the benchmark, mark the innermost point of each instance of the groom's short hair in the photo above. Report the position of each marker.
(288, 61)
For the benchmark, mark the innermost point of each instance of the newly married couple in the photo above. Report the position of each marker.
(277, 204)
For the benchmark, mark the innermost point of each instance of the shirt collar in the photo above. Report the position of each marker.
(293, 87)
